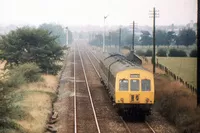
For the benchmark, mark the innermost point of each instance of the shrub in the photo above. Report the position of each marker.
(162, 52)
(25, 73)
(148, 53)
(177, 105)
(140, 52)
(193, 53)
(177, 53)
(127, 47)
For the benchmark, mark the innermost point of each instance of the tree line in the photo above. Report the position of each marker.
(185, 37)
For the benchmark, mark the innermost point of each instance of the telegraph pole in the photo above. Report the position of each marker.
(120, 30)
(104, 33)
(132, 46)
(67, 36)
(154, 41)
(154, 45)
(198, 54)
(110, 40)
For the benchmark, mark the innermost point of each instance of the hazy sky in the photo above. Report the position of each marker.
(83, 12)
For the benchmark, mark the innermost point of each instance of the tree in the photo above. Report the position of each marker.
(171, 37)
(59, 31)
(98, 40)
(31, 45)
(186, 37)
(145, 38)
(129, 38)
(161, 37)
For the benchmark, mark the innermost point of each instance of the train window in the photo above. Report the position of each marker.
(134, 85)
(123, 84)
(146, 86)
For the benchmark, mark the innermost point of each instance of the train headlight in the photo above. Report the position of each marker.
(122, 100)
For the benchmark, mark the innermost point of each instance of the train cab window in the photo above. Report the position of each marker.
(146, 86)
(123, 84)
(134, 85)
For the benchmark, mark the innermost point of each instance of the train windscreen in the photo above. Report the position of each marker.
(123, 84)
(134, 85)
(146, 85)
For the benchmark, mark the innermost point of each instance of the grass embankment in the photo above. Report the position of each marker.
(26, 99)
(37, 102)
(175, 102)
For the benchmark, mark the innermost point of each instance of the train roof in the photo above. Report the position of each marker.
(118, 62)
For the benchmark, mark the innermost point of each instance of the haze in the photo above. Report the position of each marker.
(91, 12)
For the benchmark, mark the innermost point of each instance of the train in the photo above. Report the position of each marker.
(130, 86)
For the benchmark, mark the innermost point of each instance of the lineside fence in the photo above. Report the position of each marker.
(174, 76)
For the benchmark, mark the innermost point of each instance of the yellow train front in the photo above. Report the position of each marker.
(131, 87)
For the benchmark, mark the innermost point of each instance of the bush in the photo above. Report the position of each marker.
(148, 53)
(127, 47)
(24, 73)
(177, 53)
(186, 120)
(193, 53)
(162, 52)
(140, 52)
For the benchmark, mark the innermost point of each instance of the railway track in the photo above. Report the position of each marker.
(84, 111)
(92, 113)
(130, 127)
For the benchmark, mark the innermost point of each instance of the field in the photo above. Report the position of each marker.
(186, 68)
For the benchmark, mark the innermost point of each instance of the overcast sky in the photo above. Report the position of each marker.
(84, 12)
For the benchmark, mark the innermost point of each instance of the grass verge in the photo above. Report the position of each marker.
(177, 104)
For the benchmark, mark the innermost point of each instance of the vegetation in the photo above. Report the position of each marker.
(25, 98)
(59, 32)
(161, 37)
(146, 38)
(193, 53)
(162, 52)
(177, 104)
(24, 73)
(149, 53)
(185, 37)
(173, 100)
(19, 75)
(31, 45)
(140, 52)
(177, 53)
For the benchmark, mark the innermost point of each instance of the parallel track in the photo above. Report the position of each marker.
(89, 93)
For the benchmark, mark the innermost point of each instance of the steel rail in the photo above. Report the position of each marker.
(94, 56)
(93, 65)
(75, 110)
(127, 128)
(150, 127)
(88, 88)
